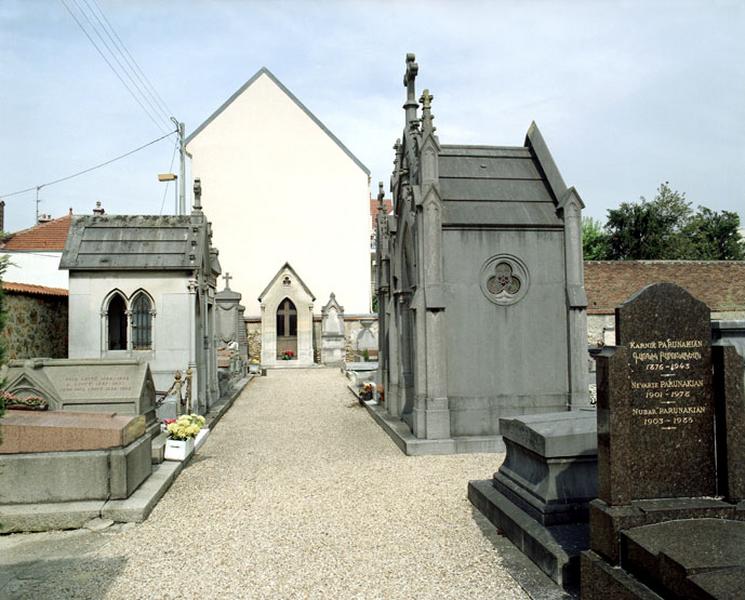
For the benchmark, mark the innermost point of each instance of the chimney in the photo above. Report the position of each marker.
(99, 209)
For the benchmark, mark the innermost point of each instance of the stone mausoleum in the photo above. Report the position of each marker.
(144, 287)
(480, 287)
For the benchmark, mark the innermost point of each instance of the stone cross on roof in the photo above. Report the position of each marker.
(227, 277)
(412, 68)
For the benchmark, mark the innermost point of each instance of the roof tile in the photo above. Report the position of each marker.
(44, 236)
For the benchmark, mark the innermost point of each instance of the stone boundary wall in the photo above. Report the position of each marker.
(36, 325)
(719, 284)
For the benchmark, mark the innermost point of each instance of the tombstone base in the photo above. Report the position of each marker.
(550, 471)
(554, 549)
(694, 558)
(608, 522)
(603, 581)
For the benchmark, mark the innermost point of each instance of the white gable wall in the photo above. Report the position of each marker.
(36, 267)
(279, 189)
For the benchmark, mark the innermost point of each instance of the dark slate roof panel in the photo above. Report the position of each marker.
(485, 151)
(488, 168)
(130, 243)
(501, 214)
(493, 185)
(495, 190)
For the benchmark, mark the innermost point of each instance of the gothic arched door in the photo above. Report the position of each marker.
(286, 330)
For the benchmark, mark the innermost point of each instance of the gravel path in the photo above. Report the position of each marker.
(299, 494)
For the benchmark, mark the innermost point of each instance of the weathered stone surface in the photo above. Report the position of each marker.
(666, 555)
(729, 387)
(655, 400)
(607, 522)
(550, 471)
(124, 386)
(57, 431)
(42, 477)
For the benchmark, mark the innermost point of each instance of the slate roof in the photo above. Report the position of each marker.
(719, 284)
(36, 290)
(131, 242)
(44, 236)
(522, 181)
(281, 86)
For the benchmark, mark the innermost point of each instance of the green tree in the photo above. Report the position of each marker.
(650, 230)
(714, 236)
(594, 240)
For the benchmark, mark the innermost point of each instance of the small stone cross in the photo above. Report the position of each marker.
(227, 277)
(426, 100)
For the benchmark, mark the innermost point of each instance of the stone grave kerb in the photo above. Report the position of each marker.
(656, 410)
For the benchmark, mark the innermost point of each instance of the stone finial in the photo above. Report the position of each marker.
(227, 277)
(412, 68)
(427, 117)
(381, 194)
(197, 194)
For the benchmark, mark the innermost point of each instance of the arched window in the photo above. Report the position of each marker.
(117, 321)
(142, 322)
(287, 319)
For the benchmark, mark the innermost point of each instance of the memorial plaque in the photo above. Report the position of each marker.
(124, 386)
(655, 400)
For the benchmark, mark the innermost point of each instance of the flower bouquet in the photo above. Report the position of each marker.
(288, 355)
(181, 434)
(13, 402)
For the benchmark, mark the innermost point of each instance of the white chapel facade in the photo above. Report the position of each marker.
(281, 189)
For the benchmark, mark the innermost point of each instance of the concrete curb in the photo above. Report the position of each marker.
(410, 445)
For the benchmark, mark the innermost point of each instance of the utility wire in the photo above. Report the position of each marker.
(162, 103)
(160, 126)
(144, 94)
(88, 170)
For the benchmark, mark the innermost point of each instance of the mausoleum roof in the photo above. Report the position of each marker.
(522, 181)
(131, 242)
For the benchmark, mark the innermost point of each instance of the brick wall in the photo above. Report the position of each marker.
(720, 284)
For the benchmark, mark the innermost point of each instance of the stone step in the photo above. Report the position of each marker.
(159, 448)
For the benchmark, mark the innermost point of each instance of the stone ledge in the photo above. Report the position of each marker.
(411, 445)
(555, 550)
(139, 505)
(15, 518)
(73, 515)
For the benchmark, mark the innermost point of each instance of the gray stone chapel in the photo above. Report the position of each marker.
(480, 286)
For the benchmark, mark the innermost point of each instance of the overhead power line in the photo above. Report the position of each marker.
(132, 62)
(108, 62)
(88, 170)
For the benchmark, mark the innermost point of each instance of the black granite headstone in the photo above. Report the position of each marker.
(655, 400)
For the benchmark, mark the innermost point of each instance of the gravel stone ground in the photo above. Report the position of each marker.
(296, 494)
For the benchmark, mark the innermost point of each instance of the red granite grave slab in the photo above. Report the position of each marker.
(57, 431)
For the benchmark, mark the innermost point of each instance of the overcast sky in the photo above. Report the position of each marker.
(627, 94)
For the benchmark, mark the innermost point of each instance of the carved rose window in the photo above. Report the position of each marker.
(504, 279)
